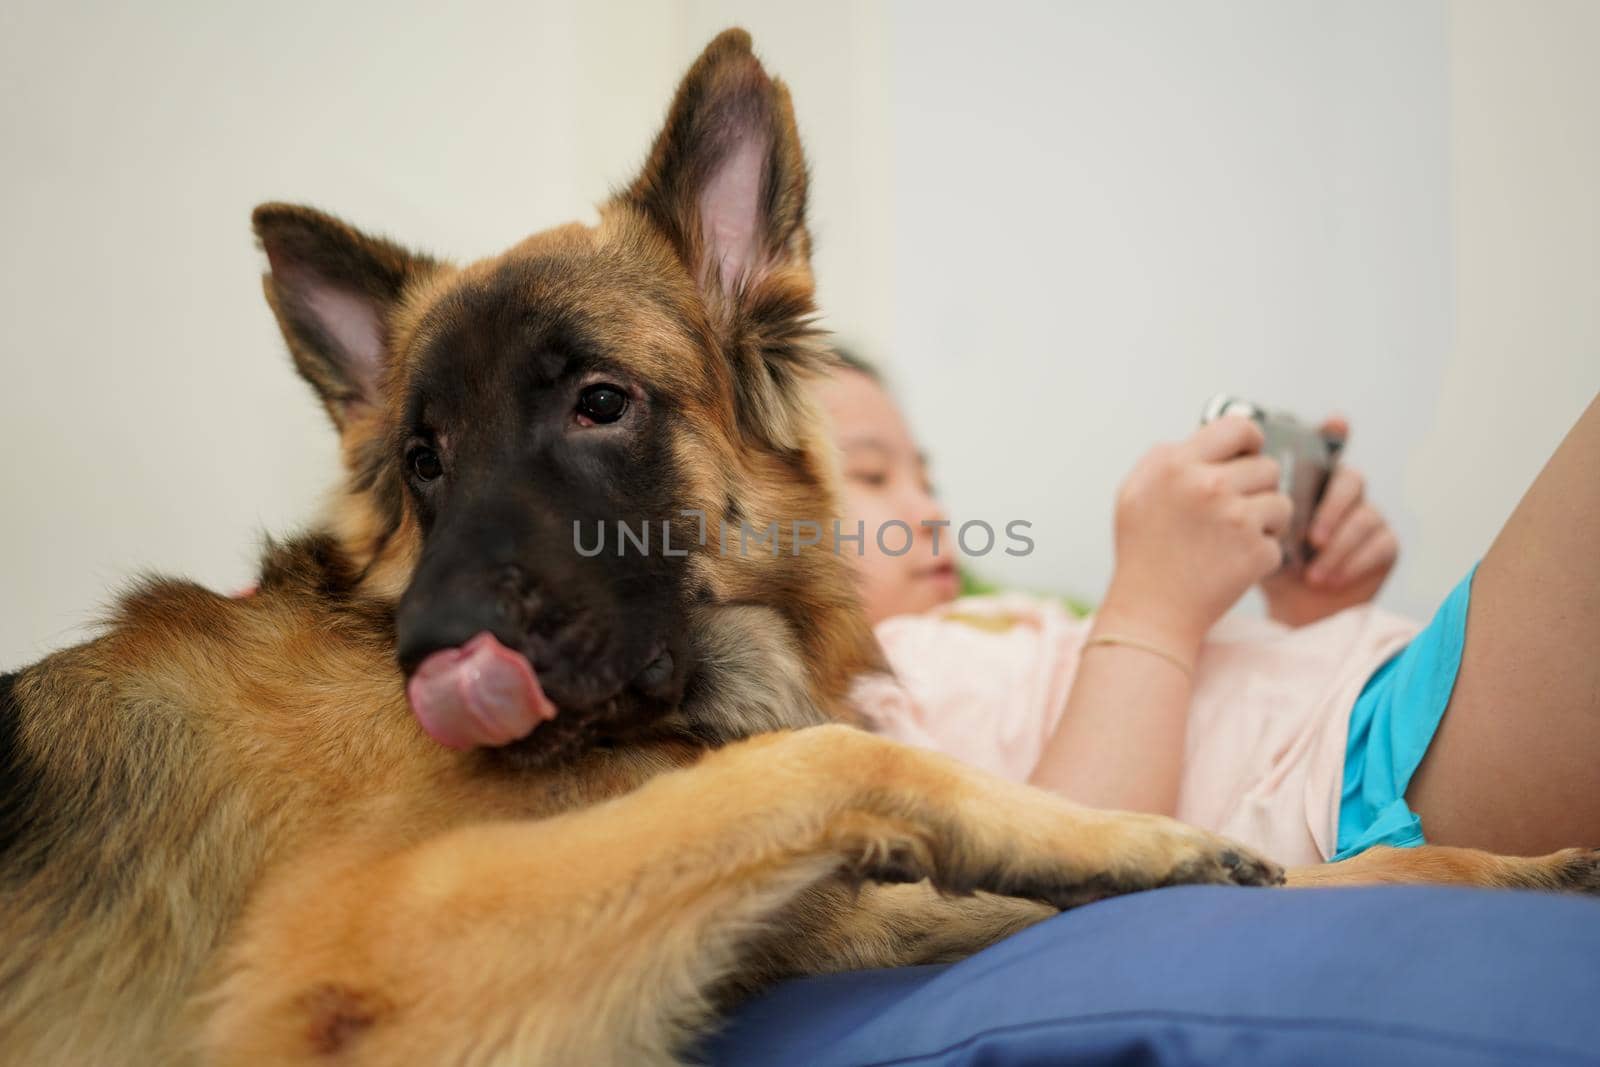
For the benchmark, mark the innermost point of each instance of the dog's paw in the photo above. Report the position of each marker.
(1174, 853)
(1154, 853)
(1225, 863)
(1577, 870)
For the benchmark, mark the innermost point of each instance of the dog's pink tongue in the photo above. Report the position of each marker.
(479, 694)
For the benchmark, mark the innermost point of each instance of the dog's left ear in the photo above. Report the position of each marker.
(725, 182)
(335, 291)
(726, 178)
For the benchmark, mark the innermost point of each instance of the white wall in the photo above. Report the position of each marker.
(1061, 227)
(1107, 211)
(1525, 147)
(1154, 202)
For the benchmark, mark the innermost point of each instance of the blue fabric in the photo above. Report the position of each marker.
(1391, 726)
(1238, 977)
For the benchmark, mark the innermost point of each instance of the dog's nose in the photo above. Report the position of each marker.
(447, 606)
(431, 624)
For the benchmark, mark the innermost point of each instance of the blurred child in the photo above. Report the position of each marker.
(1301, 735)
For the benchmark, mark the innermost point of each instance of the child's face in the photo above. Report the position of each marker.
(886, 478)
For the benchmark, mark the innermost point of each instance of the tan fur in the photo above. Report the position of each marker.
(235, 845)
(524, 942)
(1567, 871)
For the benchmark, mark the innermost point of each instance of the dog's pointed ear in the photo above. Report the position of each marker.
(334, 290)
(725, 182)
(726, 177)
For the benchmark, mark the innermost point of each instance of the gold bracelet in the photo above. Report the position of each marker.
(1143, 646)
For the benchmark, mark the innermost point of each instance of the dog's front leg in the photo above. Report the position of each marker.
(1572, 870)
(837, 926)
(598, 936)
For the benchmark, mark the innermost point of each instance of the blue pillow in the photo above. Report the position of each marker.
(1403, 975)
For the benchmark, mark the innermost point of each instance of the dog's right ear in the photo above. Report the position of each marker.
(334, 290)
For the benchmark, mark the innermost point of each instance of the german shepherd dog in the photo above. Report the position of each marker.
(225, 837)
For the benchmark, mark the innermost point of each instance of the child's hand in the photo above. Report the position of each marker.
(1353, 552)
(1196, 526)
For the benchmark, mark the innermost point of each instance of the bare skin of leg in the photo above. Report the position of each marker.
(1515, 766)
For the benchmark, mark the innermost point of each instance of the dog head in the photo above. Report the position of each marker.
(545, 448)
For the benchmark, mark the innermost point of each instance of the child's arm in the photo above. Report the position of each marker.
(1196, 526)
(1120, 740)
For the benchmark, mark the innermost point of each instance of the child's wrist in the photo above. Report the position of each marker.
(1145, 618)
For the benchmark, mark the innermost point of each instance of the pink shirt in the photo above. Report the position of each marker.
(985, 679)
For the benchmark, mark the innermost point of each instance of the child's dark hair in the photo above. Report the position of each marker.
(850, 360)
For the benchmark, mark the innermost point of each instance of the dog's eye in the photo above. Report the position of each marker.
(602, 403)
(424, 463)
